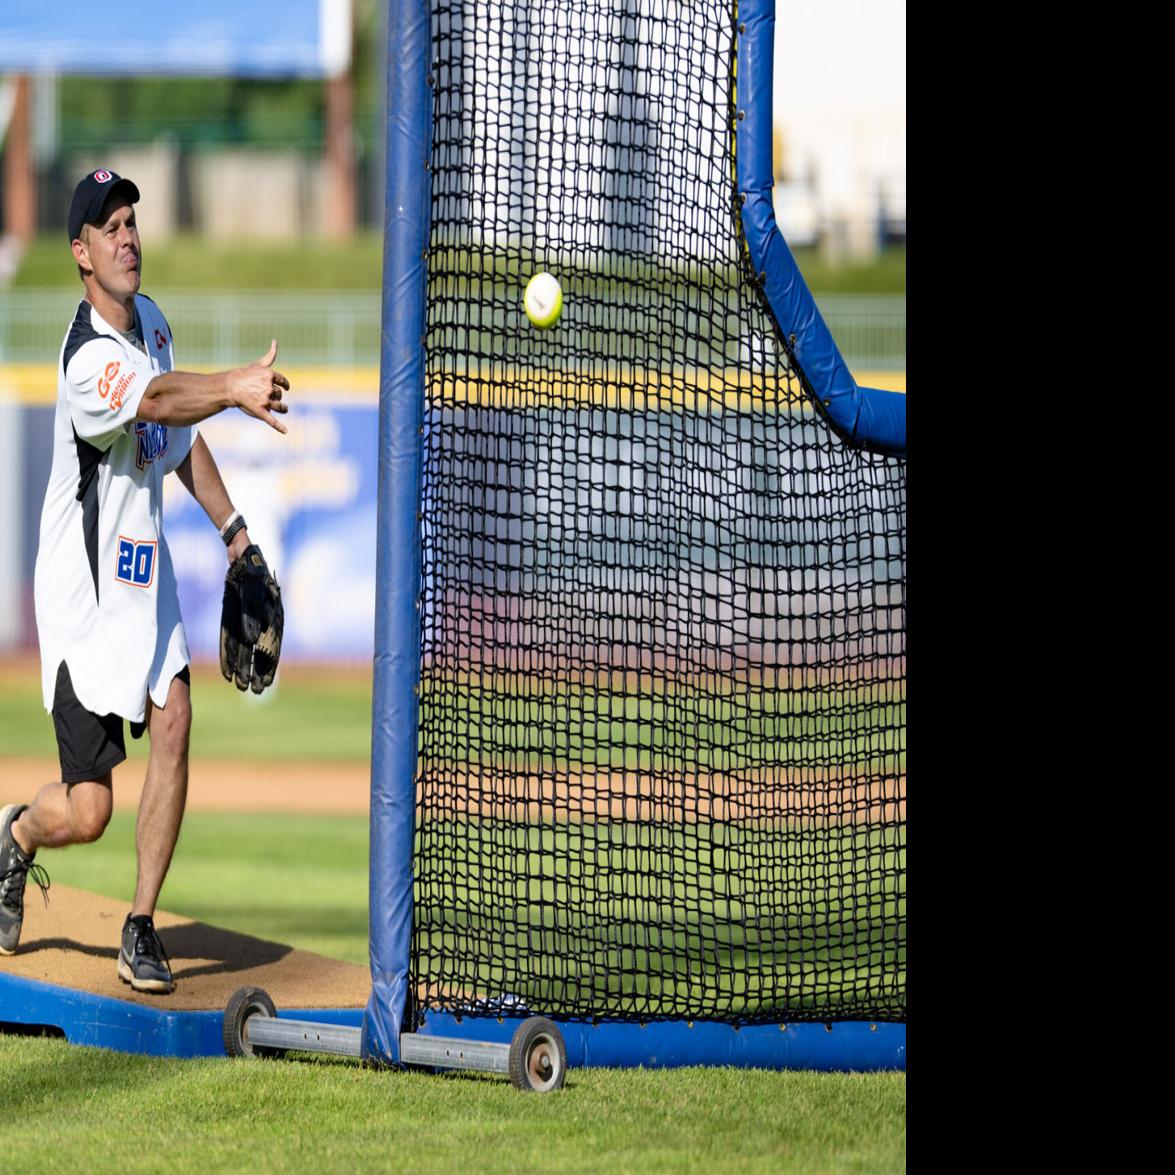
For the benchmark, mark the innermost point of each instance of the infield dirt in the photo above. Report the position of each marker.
(219, 785)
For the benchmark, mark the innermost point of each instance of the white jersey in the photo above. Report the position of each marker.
(105, 590)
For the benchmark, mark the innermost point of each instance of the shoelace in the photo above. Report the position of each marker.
(148, 945)
(12, 892)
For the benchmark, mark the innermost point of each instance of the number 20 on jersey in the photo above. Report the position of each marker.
(136, 562)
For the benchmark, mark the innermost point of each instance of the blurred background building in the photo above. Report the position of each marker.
(301, 120)
(208, 107)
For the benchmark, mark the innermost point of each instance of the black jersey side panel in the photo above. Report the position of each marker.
(89, 458)
(80, 333)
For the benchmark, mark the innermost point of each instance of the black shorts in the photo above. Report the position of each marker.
(89, 745)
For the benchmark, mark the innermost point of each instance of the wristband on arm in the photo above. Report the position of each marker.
(235, 523)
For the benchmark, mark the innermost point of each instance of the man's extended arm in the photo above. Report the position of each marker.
(183, 397)
(199, 474)
(252, 619)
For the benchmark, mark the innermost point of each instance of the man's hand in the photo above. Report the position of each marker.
(257, 389)
(240, 543)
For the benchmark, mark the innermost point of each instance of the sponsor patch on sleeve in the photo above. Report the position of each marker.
(113, 387)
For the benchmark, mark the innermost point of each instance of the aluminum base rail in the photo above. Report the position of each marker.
(437, 1052)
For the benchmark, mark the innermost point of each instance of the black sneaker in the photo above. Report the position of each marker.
(15, 868)
(142, 961)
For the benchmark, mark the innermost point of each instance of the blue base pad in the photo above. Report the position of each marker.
(130, 1028)
(843, 1046)
(99, 1021)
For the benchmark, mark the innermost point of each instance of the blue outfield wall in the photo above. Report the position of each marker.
(309, 498)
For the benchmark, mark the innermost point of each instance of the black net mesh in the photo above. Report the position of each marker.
(662, 742)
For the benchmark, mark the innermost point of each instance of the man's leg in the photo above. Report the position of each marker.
(142, 961)
(74, 811)
(65, 814)
(89, 747)
(62, 814)
(165, 792)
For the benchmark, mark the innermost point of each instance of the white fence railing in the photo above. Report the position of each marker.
(333, 328)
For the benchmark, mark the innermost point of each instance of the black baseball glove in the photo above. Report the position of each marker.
(251, 622)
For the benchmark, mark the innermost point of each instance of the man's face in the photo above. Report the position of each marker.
(111, 251)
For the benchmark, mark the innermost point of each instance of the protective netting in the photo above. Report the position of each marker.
(662, 728)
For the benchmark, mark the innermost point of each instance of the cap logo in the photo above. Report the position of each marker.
(102, 176)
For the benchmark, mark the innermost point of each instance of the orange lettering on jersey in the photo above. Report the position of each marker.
(118, 395)
(106, 379)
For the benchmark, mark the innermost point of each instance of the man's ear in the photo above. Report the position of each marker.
(81, 253)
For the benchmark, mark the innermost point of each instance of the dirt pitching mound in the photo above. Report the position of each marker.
(73, 942)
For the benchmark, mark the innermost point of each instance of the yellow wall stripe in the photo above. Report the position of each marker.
(36, 383)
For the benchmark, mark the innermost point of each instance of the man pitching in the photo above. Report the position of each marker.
(108, 619)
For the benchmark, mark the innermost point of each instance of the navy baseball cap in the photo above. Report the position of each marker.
(90, 196)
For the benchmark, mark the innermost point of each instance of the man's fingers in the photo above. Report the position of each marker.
(270, 355)
(281, 381)
(265, 412)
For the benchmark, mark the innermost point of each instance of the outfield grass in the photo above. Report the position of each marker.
(714, 727)
(750, 919)
(620, 886)
(543, 729)
(197, 263)
(299, 719)
(67, 1109)
(194, 263)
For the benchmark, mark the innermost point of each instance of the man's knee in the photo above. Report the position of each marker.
(90, 805)
(171, 725)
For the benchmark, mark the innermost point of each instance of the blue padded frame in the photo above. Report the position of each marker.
(396, 679)
(867, 418)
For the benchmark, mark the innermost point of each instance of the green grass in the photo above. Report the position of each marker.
(303, 880)
(299, 720)
(71, 1108)
(611, 914)
(195, 263)
(525, 724)
(711, 728)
